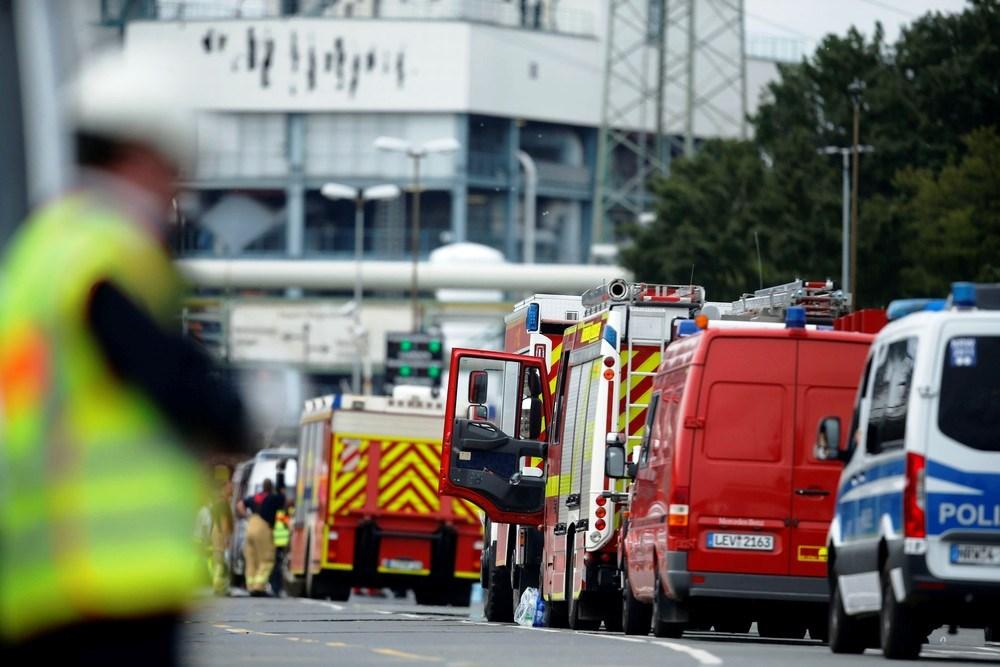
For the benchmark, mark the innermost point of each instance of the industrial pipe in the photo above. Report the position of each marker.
(384, 275)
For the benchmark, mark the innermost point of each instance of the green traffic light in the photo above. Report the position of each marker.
(434, 372)
(434, 346)
(406, 345)
(405, 371)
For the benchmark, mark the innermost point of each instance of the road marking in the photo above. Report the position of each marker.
(383, 612)
(239, 631)
(338, 645)
(616, 637)
(701, 655)
(293, 639)
(220, 625)
(411, 615)
(321, 603)
(393, 653)
(528, 627)
(486, 623)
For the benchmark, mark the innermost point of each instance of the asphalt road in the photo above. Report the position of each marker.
(367, 631)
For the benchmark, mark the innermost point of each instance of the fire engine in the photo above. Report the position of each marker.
(728, 503)
(367, 513)
(512, 556)
(497, 405)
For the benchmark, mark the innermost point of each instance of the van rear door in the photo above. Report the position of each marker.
(826, 383)
(742, 459)
(962, 474)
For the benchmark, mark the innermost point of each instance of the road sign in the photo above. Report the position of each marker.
(413, 358)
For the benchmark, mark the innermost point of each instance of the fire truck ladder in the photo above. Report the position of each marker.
(822, 303)
(631, 372)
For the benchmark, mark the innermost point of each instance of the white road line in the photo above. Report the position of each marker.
(321, 603)
(468, 622)
(411, 615)
(528, 627)
(701, 655)
(383, 612)
(615, 637)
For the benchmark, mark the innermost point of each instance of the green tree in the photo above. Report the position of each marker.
(936, 84)
(956, 216)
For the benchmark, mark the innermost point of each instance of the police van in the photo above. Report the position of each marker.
(915, 539)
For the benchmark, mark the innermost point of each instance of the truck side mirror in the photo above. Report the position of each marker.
(615, 459)
(478, 413)
(478, 384)
(827, 447)
(534, 418)
(534, 382)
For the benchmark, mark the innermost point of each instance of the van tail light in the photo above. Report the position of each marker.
(677, 513)
(914, 497)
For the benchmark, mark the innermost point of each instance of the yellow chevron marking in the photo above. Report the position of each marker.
(406, 485)
(431, 452)
(353, 497)
(412, 459)
(392, 452)
(410, 496)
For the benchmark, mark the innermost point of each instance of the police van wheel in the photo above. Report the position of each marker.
(900, 630)
(661, 606)
(846, 633)
(636, 615)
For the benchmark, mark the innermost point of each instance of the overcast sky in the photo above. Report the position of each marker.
(808, 20)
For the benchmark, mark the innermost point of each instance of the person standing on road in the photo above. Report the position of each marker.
(258, 546)
(222, 529)
(104, 403)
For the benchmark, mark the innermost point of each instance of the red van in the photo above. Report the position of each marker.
(729, 507)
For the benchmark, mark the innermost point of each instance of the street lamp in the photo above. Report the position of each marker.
(845, 234)
(416, 153)
(339, 191)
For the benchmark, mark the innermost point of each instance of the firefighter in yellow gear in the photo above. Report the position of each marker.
(281, 535)
(101, 399)
(258, 545)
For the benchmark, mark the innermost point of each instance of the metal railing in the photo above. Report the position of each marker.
(529, 15)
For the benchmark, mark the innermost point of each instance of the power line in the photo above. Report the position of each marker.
(891, 8)
(779, 26)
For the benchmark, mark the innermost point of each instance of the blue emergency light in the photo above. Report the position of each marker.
(531, 322)
(903, 307)
(687, 328)
(795, 317)
(963, 295)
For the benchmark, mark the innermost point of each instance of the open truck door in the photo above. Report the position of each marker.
(495, 412)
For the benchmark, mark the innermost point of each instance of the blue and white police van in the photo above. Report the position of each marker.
(915, 539)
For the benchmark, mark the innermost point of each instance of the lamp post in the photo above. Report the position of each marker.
(339, 191)
(855, 90)
(416, 153)
(845, 233)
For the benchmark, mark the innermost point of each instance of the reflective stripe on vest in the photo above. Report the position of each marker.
(98, 495)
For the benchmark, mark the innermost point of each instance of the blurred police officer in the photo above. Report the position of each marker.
(104, 403)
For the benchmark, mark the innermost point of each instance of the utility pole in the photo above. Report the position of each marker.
(845, 208)
(415, 243)
(854, 90)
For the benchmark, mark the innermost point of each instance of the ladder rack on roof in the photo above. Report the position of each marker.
(641, 294)
(822, 303)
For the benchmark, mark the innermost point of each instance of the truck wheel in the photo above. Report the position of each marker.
(992, 632)
(847, 634)
(636, 615)
(661, 604)
(900, 629)
(339, 591)
(497, 594)
(613, 621)
(460, 593)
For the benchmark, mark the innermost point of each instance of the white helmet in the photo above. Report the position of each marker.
(137, 97)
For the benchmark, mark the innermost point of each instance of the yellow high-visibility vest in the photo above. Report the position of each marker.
(280, 533)
(98, 494)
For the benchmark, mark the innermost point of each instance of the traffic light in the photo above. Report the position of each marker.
(414, 359)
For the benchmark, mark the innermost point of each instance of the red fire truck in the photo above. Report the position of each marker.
(496, 406)
(729, 507)
(512, 555)
(366, 510)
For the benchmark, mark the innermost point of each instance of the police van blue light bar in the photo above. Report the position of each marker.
(903, 307)
(963, 295)
(533, 319)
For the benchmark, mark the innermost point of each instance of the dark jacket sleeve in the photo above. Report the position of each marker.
(178, 376)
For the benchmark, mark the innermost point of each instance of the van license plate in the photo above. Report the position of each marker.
(975, 554)
(749, 541)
